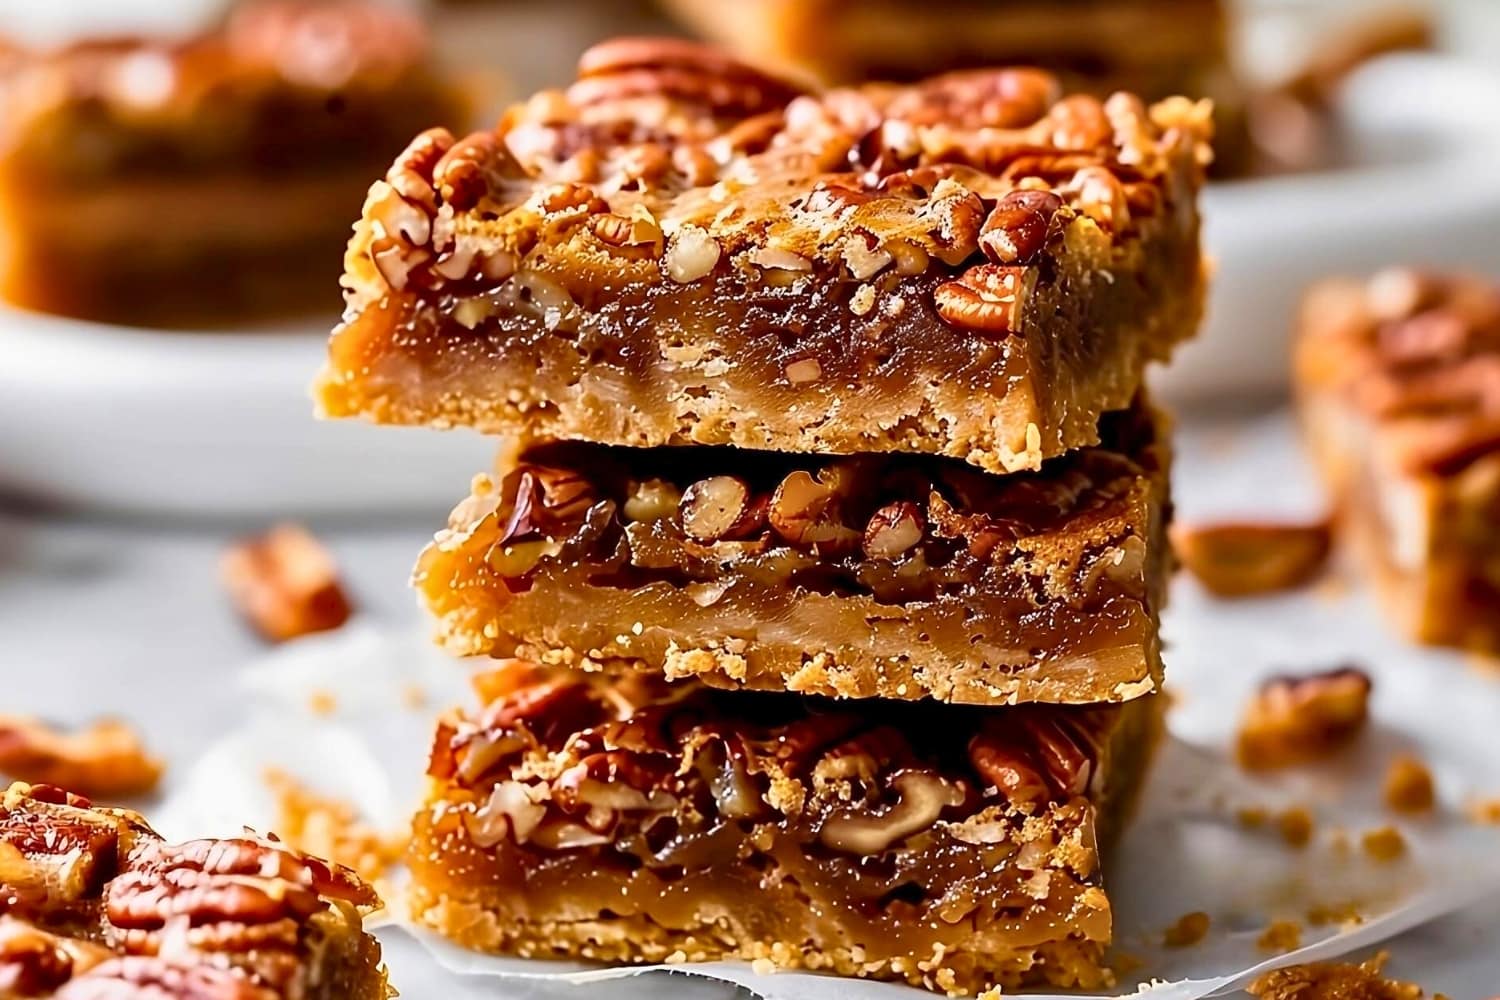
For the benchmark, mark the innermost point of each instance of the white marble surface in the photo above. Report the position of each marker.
(92, 612)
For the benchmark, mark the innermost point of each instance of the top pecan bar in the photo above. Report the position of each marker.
(95, 905)
(679, 249)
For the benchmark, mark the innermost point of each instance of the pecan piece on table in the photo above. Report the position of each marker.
(1238, 559)
(1297, 720)
(285, 584)
(105, 759)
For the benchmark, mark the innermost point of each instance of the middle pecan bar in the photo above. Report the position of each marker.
(892, 576)
(678, 249)
(633, 820)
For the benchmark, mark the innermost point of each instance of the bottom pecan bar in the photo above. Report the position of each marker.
(95, 906)
(631, 820)
(1398, 381)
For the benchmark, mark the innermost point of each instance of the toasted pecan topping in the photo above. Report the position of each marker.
(1334, 981)
(714, 151)
(1295, 720)
(564, 757)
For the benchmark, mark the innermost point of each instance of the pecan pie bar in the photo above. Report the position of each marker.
(185, 180)
(633, 820)
(679, 249)
(894, 576)
(1399, 386)
(94, 905)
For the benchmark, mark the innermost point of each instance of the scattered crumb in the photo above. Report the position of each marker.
(1485, 811)
(1189, 929)
(322, 702)
(285, 583)
(1408, 786)
(1334, 981)
(1344, 914)
(332, 829)
(1298, 720)
(1122, 963)
(1281, 935)
(1296, 826)
(414, 696)
(1252, 817)
(106, 759)
(1384, 844)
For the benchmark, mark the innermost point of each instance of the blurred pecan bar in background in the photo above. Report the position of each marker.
(94, 904)
(891, 576)
(629, 820)
(679, 249)
(1399, 386)
(1154, 48)
(202, 179)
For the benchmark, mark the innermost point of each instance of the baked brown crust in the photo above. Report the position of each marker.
(890, 576)
(208, 170)
(1398, 384)
(93, 903)
(679, 249)
(632, 820)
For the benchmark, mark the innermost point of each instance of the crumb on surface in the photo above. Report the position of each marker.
(1384, 843)
(1408, 786)
(414, 696)
(1252, 817)
(1345, 914)
(322, 702)
(1189, 929)
(1281, 935)
(285, 583)
(1334, 981)
(1485, 811)
(1295, 826)
(331, 828)
(105, 759)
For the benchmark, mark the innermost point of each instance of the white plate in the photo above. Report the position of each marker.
(1430, 127)
(199, 423)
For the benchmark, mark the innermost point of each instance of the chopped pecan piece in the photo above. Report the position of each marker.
(1295, 720)
(105, 759)
(285, 584)
(1334, 981)
(1240, 559)
(140, 977)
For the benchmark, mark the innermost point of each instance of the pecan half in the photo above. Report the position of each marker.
(894, 530)
(687, 71)
(1295, 720)
(148, 900)
(807, 511)
(921, 797)
(1239, 559)
(1002, 765)
(285, 584)
(106, 759)
(986, 298)
(33, 963)
(471, 168)
(1019, 226)
(140, 977)
(720, 508)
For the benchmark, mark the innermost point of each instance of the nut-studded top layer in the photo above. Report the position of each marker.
(715, 246)
(566, 759)
(93, 903)
(271, 69)
(1419, 354)
(666, 158)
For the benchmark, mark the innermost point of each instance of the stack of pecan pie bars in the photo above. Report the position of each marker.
(823, 565)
